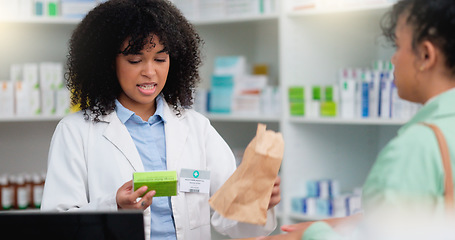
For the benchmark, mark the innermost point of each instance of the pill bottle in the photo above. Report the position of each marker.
(20, 193)
(37, 191)
(6, 193)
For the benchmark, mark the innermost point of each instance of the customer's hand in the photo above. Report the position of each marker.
(127, 199)
(296, 227)
(275, 198)
(296, 235)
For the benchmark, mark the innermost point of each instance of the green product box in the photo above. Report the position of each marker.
(317, 93)
(296, 94)
(52, 9)
(297, 108)
(329, 93)
(328, 109)
(163, 182)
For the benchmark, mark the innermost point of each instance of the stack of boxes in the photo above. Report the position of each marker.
(46, 8)
(34, 90)
(217, 9)
(359, 93)
(235, 91)
(336, 4)
(323, 199)
(314, 101)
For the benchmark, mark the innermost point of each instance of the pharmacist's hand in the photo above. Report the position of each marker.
(275, 198)
(126, 198)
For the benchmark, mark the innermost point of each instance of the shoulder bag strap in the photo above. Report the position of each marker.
(448, 184)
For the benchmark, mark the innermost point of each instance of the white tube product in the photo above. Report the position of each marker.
(6, 99)
(386, 96)
(374, 94)
(347, 98)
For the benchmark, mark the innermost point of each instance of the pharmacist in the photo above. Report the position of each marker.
(133, 65)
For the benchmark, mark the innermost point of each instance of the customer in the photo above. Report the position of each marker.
(405, 188)
(133, 66)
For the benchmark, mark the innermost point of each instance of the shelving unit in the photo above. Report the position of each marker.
(341, 121)
(241, 19)
(301, 47)
(335, 10)
(17, 119)
(41, 20)
(314, 45)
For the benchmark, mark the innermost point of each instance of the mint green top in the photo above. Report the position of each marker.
(408, 172)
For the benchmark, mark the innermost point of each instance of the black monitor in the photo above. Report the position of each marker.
(72, 225)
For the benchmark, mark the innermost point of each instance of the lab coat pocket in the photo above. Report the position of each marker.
(198, 209)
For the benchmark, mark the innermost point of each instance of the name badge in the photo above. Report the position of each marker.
(197, 181)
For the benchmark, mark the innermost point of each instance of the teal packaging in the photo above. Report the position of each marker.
(39, 8)
(221, 92)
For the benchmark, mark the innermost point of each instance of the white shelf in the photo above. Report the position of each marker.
(197, 22)
(30, 118)
(242, 118)
(306, 218)
(316, 11)
(358, 121)
(234, 19)
(41, 20)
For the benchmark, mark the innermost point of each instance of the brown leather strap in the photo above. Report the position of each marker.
(448, 182)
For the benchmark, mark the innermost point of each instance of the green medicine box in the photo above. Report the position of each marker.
(296, 96)
(328, 109)
(163, 182)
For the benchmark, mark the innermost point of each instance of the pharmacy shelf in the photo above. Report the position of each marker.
(341, 121)
(31, 118)
(197, 22)
(212, 117)
(41, 20)
(19, 211)
(360, 8)
(235, 19)
(242, 118)
(306, 218)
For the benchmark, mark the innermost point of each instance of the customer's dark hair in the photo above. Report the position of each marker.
(98, 39)
(432, 20)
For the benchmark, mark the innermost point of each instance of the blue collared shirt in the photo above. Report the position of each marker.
(149, 138)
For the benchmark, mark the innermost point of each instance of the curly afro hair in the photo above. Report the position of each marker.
(97, 40)
(432, 20)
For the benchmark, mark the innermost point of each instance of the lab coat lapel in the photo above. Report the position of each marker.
(176, 136)
(118, 134)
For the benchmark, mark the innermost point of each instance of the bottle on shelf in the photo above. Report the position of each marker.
(37, 191)
(6, 193)
(20, 193)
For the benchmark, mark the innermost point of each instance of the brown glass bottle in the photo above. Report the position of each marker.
(6, 193)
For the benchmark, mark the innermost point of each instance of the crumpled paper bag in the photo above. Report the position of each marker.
(246, 194)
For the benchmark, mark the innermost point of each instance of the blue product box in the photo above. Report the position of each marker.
(309, 206)
(324, 207)
(312, 188)
(297, 204)
(221, 94)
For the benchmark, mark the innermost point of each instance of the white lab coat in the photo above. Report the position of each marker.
(89, 161)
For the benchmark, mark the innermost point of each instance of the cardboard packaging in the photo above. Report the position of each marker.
(163, 182)
(245, 196)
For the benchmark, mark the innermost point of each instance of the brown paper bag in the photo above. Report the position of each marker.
(246, 194)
